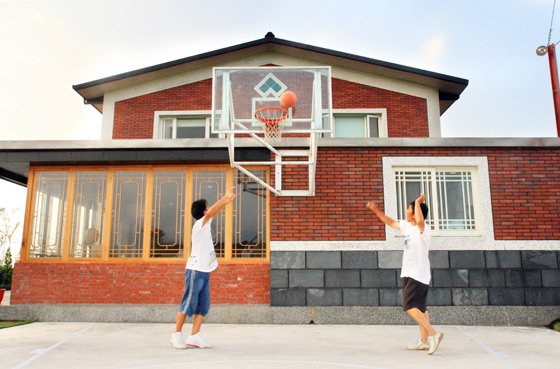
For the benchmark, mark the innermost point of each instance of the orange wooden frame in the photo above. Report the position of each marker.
(107, 231)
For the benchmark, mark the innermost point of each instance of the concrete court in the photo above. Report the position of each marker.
(112, 345)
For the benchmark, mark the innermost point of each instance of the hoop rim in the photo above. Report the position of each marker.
(265, 120)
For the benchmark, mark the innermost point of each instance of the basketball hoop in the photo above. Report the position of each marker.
(272, 117)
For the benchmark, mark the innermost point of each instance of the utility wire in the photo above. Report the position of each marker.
(551, 19)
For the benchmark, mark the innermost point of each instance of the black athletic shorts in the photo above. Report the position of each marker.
(415, 294)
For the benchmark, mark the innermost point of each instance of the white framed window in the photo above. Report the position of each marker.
(183, 124)
(449, 195)
(457, 193)
(356, 123)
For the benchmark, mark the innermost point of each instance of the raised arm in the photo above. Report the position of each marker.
(381, 215)
(218, 206)
(418, 215)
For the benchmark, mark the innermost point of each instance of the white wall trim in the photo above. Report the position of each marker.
(396, 244)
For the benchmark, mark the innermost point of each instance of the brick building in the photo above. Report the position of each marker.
(108, 222)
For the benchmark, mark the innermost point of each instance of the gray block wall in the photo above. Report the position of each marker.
(372, 278)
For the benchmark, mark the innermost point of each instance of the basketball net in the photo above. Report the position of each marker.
(272, 119)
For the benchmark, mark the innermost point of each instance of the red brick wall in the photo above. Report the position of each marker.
(407, 116)
(134, 118)
(97, 283)
(524, 185)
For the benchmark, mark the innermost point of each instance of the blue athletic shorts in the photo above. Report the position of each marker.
(196, 299)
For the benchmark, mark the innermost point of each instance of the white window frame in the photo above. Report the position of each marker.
(159, 116)
(480, 186)
(380, 114)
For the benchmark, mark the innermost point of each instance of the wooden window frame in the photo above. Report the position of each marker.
(107, 233)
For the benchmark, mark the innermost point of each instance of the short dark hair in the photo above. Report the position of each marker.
(198, 207)
(423, 206)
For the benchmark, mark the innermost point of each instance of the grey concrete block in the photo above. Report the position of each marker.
(450, 278)
(487, 278)
(503, 259)
(470, 296)
(323, 260)
(506, 296)
(287, 260)
(551, 277)
(542, 296)
(287, 297)
(359, 259)
(306, 278)
(324, 297)
(439, 297)
(360, 297)
(439, 259)
(390, 297)
(279, 278)
(342, 278)
(523, 277)
(539, 259)
(389, 259)
(379, 278)
(467, 259)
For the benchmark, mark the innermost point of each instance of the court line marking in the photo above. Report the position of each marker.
(259, 362)
(41, 352)
(492, 352)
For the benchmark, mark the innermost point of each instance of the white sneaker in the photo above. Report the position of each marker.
(419, 346)
(197, 341)
(434, 341)
(177, 341)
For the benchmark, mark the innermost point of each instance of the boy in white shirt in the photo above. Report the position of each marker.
(415, 269)
(202, 261)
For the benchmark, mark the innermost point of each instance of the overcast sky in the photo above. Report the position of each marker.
(48, 46)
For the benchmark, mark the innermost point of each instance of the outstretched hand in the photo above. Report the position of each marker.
(372, 206)
(230, 195)
(421, 199)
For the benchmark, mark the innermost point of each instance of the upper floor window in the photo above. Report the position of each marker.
(355, 123)
(187, 124)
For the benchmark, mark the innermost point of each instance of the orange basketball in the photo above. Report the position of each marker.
(288, 99)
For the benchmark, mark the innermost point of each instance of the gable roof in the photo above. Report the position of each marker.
(449, 87)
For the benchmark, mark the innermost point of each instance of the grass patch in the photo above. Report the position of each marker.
(8, 323)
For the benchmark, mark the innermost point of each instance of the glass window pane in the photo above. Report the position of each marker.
(249, 216)
(49, 215)
(349, 126)
(210, 185)
(128, 214)
(168, 214)
(167, 128)
(88, 214)
(410, 184)
(456, 210)
(191, 128)
(373, 126)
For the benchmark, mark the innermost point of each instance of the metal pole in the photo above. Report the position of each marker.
(555, 85)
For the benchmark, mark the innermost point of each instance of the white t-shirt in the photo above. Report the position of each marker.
(203, 256)
(416, 264)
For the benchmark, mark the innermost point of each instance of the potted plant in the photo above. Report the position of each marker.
(6, 272)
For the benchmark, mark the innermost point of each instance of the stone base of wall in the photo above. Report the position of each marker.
(533, 316)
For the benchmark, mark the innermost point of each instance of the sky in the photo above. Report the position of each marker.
(47, 46)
